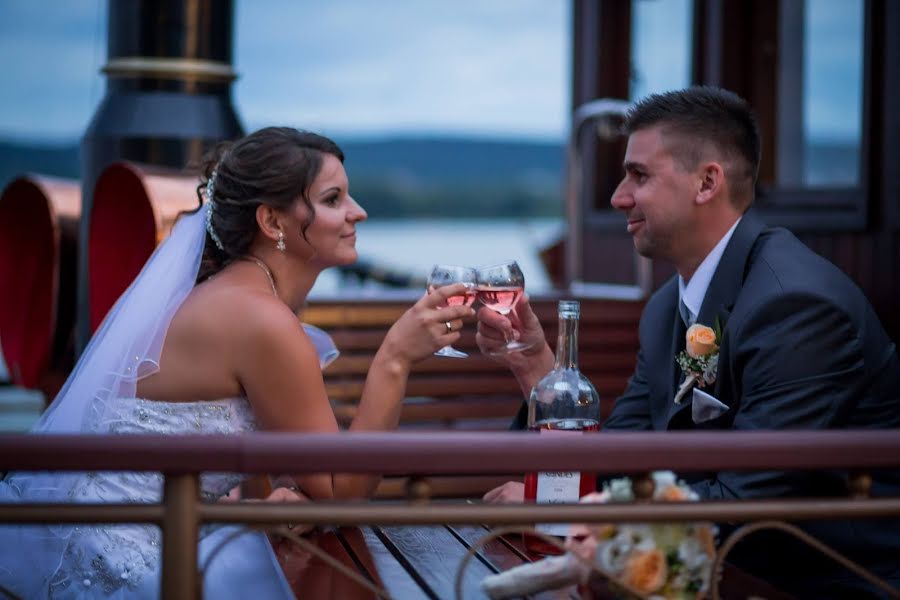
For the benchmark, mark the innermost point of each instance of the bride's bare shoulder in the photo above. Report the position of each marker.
(233, 311)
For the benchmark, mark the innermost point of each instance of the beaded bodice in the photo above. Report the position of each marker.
(138, 416)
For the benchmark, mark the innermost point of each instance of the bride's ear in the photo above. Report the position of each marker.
(269, 221)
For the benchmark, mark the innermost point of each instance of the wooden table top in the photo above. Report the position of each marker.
(410, 563)
(421, 562)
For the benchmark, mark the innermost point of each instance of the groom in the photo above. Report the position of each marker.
(801, 348)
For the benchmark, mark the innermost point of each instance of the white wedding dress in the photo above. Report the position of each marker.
(124, 561)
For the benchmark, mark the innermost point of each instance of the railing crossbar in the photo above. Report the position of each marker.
(333, 513)
(440, 453)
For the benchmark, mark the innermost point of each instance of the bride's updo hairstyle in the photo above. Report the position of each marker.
(273, 166)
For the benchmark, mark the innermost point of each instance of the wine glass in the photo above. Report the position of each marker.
(499, 288)
(442, 275)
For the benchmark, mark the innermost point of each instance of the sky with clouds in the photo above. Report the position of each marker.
(484, 67)
(493, 68)
(468, 66)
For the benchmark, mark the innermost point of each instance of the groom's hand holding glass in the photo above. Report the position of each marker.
(522, 325)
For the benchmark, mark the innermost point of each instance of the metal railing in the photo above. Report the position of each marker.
(182, 458)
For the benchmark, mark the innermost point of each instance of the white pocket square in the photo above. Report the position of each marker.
(705, 407)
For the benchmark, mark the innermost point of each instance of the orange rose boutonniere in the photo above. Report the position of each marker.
(700, 358)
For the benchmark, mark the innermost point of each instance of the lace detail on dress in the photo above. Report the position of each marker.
(106, 559)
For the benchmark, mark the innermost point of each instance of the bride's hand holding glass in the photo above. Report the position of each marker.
(446, 275)
(430, 324)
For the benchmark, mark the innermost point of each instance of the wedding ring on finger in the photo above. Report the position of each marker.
(448, 326)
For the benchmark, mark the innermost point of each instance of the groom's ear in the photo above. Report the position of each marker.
(269, 221)
(712, 182)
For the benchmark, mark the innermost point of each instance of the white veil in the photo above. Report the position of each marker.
(128, 343)
(124, 349)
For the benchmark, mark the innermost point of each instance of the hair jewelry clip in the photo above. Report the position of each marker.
(210, 199)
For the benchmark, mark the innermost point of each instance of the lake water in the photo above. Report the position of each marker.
(414, 246)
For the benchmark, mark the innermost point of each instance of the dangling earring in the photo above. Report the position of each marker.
(280, 243)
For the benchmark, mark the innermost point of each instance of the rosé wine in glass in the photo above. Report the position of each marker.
(464, 299)
(442, 275)
(499, 288)
(500, 299)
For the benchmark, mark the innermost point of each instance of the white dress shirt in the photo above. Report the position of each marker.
(691, 294)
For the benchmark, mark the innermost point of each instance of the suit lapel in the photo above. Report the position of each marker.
(659, 352)
(725, 286)
(668, 375)
(676, 345)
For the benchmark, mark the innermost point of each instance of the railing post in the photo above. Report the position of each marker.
(642, 486)
(418, 489)
(180, 579)
(860, 484)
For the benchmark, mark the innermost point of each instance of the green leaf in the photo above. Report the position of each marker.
(717, 329)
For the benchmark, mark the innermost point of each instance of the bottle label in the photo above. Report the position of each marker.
(558, 487)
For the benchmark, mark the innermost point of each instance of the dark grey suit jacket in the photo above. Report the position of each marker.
(801, 349)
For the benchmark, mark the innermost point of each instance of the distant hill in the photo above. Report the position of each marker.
(449, 177)
(398, 177)
(451, 160)
(17, 158)
(443, 176)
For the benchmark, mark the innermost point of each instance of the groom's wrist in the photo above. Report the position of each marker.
(531, 367)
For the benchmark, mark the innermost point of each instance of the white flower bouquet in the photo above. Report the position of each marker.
(657, 561)
(670, 560)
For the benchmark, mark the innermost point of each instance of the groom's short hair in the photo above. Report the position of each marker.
(698, 119)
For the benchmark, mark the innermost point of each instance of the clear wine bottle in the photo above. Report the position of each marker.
(564, 402)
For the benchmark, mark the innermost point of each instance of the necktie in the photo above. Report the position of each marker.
(685, 313)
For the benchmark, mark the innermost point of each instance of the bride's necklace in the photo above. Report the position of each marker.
(265, 269)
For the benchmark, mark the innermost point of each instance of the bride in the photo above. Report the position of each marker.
(206, 340)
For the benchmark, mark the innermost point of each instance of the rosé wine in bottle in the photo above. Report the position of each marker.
(560, 486)
(564, 402)
(500, 299)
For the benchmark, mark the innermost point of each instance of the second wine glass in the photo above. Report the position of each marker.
(499, 288)
(442, 275)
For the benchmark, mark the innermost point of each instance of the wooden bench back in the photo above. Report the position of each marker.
(476, 390)
(470, 393)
